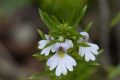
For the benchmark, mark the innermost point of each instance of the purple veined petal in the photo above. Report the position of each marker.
(42, 44)
(89, 56)
(53, 60)
(46, 51)
(64, 70)
(94, 46)
(94, 51)
(68, 65)
(54, 63)
(89, 51)
(70, 60)
(59, 68)
(84, 50)
(81, 51)
(55, 47)
(92, 57)
(67, 44)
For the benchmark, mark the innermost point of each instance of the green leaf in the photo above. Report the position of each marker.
(41, 33)
(80, 15)
(87, 28)
(41, 75)
(84, 44)
(77, 16)
(95, 64)
(115, 20)
(50, 21)
(113, 72)
(40, 57)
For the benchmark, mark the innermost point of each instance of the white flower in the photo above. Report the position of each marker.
(61, 60)
(43, 43)
(88, 52)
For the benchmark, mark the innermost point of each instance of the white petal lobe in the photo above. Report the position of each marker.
(42, 44)
(89, 52)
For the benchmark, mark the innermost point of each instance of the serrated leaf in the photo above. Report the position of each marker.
(41, 33)
(87, 28)
(80, 15)
(77, 16)
(84, 44)
(50, 21)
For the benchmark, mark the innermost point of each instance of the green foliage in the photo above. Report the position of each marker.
(115, 20)
(64, 23)
(83, 44)
(62, 9)
(88, 27)
(41, 33)
(76, 17)
(40, 57)
(113, 72)
(57, 28)
(51, 43)
(50, 21)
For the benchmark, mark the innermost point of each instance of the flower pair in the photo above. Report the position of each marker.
(61, 60)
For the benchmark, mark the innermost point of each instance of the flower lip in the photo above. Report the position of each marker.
(62, 65)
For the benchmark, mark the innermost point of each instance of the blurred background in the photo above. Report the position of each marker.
(19, 21)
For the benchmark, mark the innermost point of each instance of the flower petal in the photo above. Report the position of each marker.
(55, 47)
(53, 61)
(46, 51)
(68, 66)
(42, 44)
(81, 51)
(89, 56)
(59, 69)
(64, 70)
(70, 60)
(93, 46)
(89, 51)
